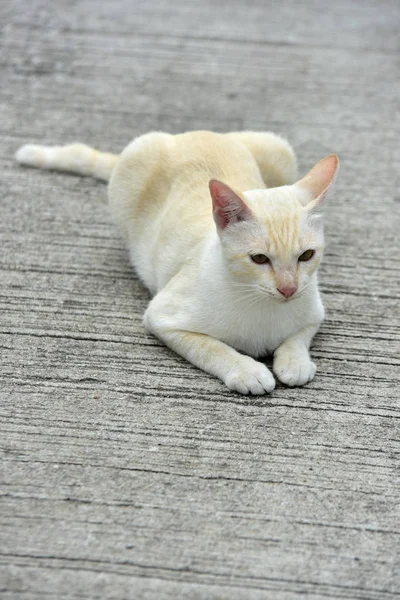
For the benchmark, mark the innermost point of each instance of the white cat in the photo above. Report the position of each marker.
(232, 265)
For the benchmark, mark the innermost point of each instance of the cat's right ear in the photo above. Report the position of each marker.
(228, 207)
(311, 190)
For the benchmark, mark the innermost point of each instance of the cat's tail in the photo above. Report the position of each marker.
(74, 158)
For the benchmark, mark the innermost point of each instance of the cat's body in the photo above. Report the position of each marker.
(211, 298)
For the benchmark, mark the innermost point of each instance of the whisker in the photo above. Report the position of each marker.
(248, 303)
(244, 285)
(245, 298)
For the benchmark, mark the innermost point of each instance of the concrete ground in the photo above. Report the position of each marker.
(126, 472)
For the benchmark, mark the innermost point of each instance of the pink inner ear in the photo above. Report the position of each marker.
(317, 181)
(228, 207)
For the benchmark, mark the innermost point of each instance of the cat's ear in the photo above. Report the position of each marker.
(228, 207)
(312, 188)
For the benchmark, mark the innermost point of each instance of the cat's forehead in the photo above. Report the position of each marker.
(278, 201)
(281, 220)
(277, 207)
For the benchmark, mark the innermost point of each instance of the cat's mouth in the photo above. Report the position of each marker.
(265, 293)
(297, 294)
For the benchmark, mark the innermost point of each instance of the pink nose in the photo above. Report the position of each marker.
(287, 291)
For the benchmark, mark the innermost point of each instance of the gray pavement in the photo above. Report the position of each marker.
(127, 473)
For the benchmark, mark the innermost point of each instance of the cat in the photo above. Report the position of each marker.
(227, 241)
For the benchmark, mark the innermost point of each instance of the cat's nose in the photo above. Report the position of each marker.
(287, 291)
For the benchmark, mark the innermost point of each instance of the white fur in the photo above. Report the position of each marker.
(211, 302)
(74, 158)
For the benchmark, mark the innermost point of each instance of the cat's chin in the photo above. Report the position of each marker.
(285, 300)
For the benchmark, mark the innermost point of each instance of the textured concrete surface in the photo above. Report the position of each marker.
(127, 473)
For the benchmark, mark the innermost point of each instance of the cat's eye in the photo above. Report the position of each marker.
(260, 259)
(307, 255)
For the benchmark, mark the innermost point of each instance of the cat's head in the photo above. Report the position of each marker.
(272, 239)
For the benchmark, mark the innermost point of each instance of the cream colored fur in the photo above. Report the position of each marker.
(212, 303)
(75, 158)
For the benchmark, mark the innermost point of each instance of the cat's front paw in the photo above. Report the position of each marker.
(250, 377)
(293, 370)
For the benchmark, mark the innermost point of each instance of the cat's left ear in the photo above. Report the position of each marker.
(312, 189)
(228, 207)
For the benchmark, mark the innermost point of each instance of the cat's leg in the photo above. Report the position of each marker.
(240, 373)
(292, 363)
(273, 154)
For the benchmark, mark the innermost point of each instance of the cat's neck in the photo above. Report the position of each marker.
(213, 271)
